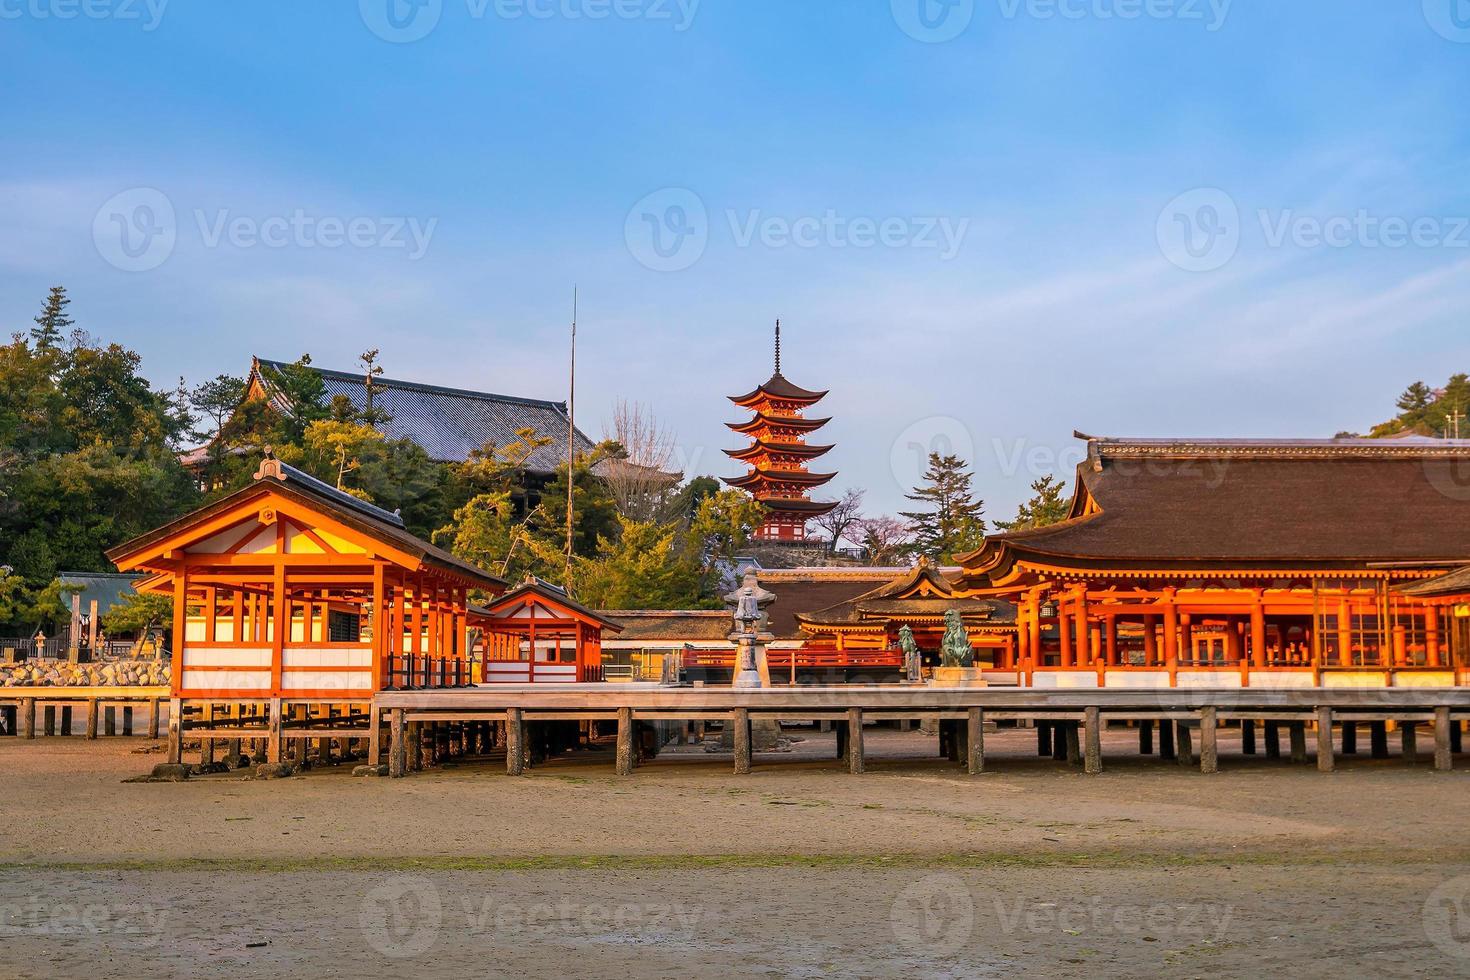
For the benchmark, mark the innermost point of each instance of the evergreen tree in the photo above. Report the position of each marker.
(52, 324)
(953, 525)
(371, 413)
(1045, 507)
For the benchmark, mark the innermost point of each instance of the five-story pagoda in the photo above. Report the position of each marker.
(779, 453)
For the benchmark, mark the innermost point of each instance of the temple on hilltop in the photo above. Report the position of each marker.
(779, 453)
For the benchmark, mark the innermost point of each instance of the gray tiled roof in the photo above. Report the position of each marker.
(451, 422)
(108, 588)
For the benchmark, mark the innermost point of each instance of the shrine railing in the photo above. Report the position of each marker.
(413, 672)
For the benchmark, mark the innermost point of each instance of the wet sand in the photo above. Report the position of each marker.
(913, 869)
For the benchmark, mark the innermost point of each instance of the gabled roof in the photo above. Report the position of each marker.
(550, 595)
(762, 447)
(780, 389)
(795, 423)
(1256, 503)
(1456, 582)
(275, 477)
(764, 475)
(922, 592)
(107, 588)
(449, 423)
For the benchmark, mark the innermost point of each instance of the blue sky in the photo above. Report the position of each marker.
(983, 227)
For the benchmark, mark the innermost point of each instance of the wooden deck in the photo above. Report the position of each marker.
(1074, 716)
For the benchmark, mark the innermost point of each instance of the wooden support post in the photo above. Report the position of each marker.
(154, 704)
(1209, 755)
(1145, 738)
(625, 742)
(175, 729)
(415, 746)
(92, 708)
(515, 741)
(1298, 732)
(1043, 739)
(1378, 739)
(1167, 749)
(375, 735)
(48, 720)
(1273, 740)
(28, 717)
(740, 719)
(1185, 750)
(1409, 741)
(206, 745)
(1074, 747)
(1059, 740)
(1248, 737)
(109, 720)
(1444, 759)
(1324, 739)
(1093, 723)
(127, 718)
(397, 749)
(1456, 737)
(66, 719)
(855, 759)
(1349, 737)
(975, 758)
(275, 723)
(841, 733)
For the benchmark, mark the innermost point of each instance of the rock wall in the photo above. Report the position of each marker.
(60, 673)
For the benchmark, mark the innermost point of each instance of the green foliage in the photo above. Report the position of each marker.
(52, 323)
(953, 525)
(1045, 507)
(1425, 411)
(639, 569)
(139, 612)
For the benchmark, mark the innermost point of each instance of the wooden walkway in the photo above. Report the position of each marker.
(1070, 722)
(29, 711)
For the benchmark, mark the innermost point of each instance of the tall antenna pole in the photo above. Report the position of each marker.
(571, 436)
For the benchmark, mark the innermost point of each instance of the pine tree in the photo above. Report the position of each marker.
(954, 525)
(52, 324)
(1046, 507)
(372, 370)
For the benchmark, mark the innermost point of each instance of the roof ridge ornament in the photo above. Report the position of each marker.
(778, 347)
(270, 466)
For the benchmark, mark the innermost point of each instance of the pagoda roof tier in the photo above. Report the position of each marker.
(793, 422)
(779, 389)
(762, 447)
(759, 476)
(797, 505)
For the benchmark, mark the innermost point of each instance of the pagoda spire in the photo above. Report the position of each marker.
(778, 454)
